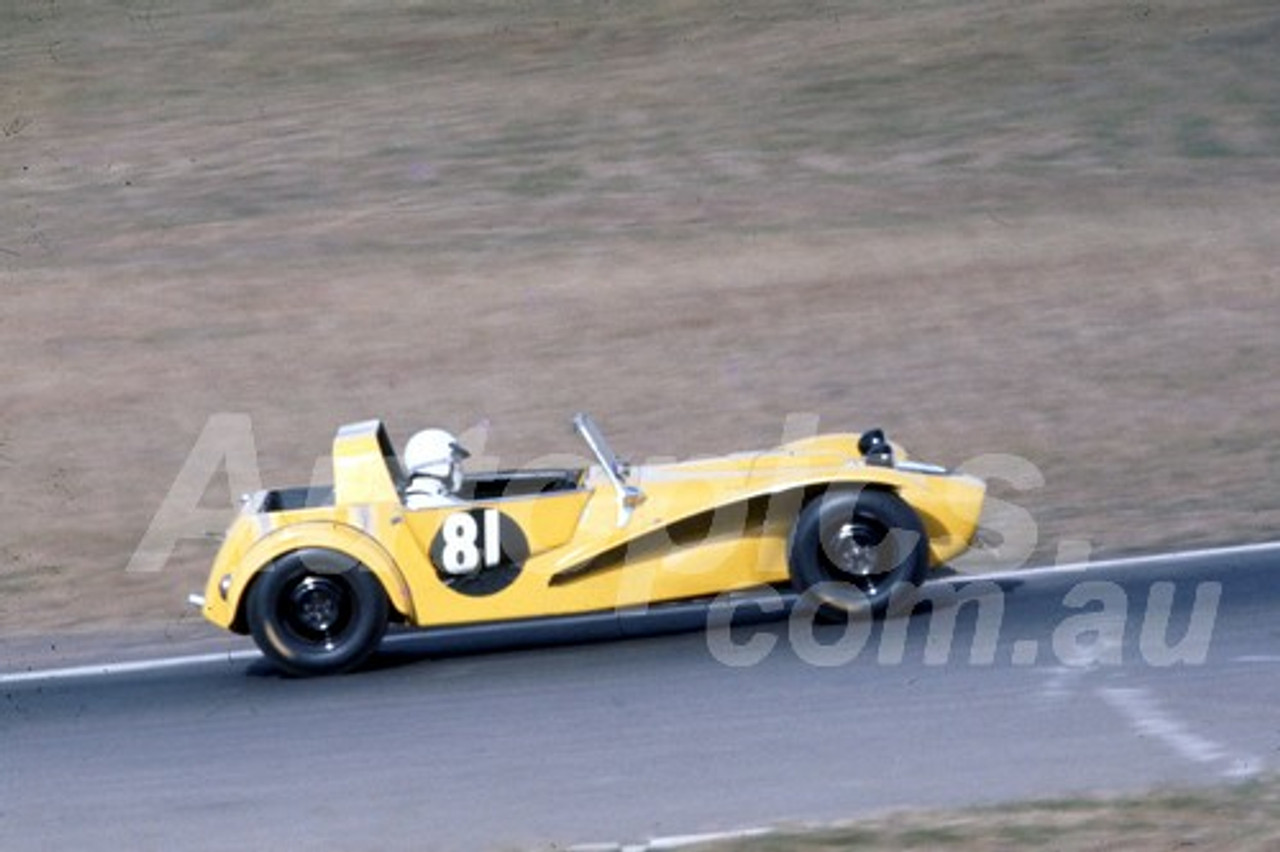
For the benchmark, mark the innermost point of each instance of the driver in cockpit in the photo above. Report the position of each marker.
(433, 460)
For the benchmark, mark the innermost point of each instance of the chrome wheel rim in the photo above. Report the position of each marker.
(859, 551)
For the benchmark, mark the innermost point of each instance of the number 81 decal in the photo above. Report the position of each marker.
(479, 551)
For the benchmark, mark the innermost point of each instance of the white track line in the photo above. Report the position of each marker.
(682, 840)
(1122, 562)
(143, 666)
(675, 841)
(140, 666)
(1148, 717)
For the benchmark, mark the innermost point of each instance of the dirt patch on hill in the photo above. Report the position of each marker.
(1044, 232)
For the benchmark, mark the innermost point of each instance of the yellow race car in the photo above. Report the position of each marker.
(317, 574)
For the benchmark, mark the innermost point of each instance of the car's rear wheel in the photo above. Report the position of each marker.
(317, 612)
(850, 549)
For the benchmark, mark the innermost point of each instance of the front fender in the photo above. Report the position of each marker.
(326, 535)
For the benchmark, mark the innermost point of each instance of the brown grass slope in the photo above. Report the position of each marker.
(1047, 230)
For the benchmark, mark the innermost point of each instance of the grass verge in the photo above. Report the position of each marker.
(1244, 817)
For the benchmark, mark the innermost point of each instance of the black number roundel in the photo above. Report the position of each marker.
(479, 552)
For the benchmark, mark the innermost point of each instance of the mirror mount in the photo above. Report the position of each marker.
(616, 470)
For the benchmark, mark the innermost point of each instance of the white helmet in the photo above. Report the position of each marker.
(435, 453)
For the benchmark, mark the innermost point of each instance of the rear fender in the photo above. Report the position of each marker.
(324, 535)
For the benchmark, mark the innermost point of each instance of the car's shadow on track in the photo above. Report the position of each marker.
(404, 647)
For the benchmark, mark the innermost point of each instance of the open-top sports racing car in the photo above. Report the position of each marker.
(316, 574)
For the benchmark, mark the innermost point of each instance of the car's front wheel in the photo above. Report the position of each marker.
(850, 549)
(317, 612)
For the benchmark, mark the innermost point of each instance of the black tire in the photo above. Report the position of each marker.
(317, 612)
(849, 550)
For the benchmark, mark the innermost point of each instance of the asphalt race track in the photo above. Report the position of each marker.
(1118, 676)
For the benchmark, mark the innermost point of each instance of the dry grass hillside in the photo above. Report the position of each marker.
(1046, 230)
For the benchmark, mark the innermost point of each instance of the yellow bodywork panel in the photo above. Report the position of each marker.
(700, 528)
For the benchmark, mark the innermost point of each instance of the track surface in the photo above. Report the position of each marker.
(628, 740)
